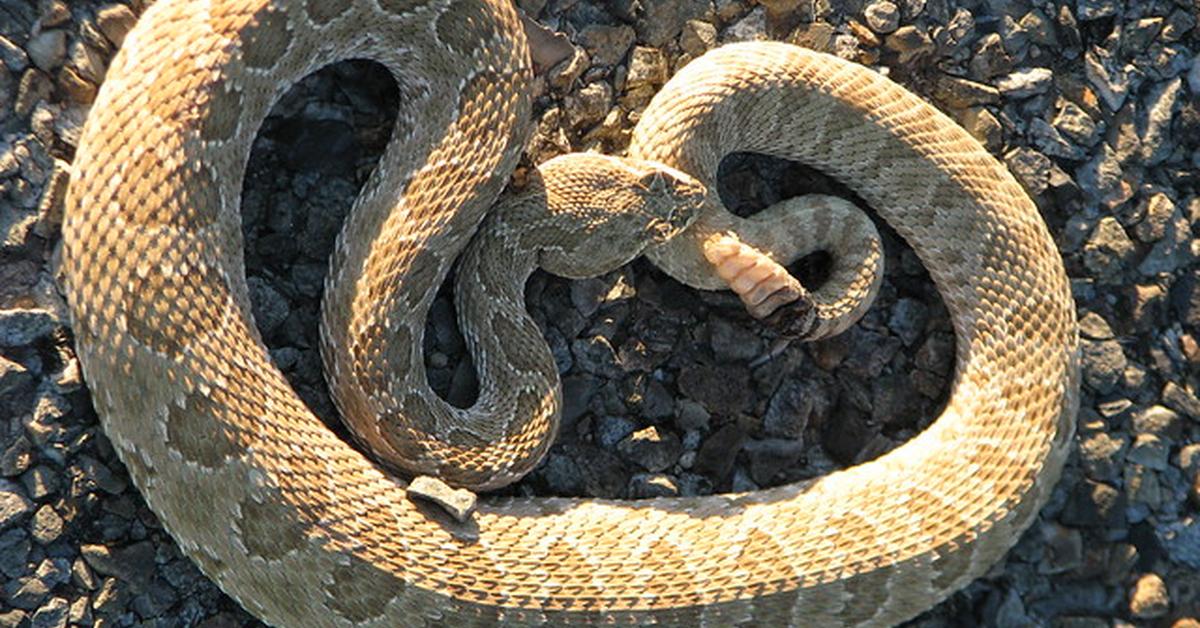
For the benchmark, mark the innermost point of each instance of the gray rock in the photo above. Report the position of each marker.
(577, 392)
(751, 27)
(1031, 168)
(1138, 35)
(103, 477)
(662, 20)
(870, 352)
(1181, 540)
(1010, 612)
(647, 66)
(589, 105)
(720, 390)
(1181, 400)
(13, 503)
(1149, 451)
(562, 474)
(595, 355)
(21, 327)
(1109, 248)
(1156, 210)
(1155, 126)
(791, 407)
(652, 449)
(1103, 363)
(649, 398)
(909, 43)
(15, 387)
(768, 457)
(697, 37)
(269, 307)
(1185, 299)
(133, 563)
(46, 526)
(14, 552)
(1064, 549)
(1189, 459)
(87, 61)
(52, 614)
(1142, 487)
(48, 49)
(960, 93)
(1112, 83)
(1094, 504)
(691, 416)
(1025, 83)
(1087, 10)
(13, 57)
(717, 455)
(610, 430)
(990, 59)
(882, 16)
(648, 485)
(1193, 75)
(731, 343)
(1094, 327)
(1149, 598)
(26, 592)
(1052, 142)
(1103, 455)
(895, 401)
(115, 20)
(908, 319)
(817, 36)
(1158, 421)
(1170, 251)
(1076, 124)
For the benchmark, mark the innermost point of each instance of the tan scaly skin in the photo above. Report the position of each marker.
(304, 530)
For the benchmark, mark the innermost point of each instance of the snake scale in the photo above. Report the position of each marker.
(304, 530)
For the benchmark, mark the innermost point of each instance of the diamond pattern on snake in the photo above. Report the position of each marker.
(305, 529)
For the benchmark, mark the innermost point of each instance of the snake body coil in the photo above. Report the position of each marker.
(303, 530)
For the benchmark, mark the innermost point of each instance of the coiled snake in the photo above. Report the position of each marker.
(303, 530)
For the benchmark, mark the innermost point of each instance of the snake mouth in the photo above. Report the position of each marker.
(677, 220)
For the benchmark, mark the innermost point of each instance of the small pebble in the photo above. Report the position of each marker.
(882, 16)
(457, 502)
(1149, 598)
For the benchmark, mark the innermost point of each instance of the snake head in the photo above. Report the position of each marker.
(673, 198)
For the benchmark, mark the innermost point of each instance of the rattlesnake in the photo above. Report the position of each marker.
(303, 530)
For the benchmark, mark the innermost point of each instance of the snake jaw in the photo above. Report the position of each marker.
(674, 196)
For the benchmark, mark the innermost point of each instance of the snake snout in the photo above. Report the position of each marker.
(678, 198)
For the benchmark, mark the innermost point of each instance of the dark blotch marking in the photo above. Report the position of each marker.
(388, 354)
(868, 592)
(360, 591)
(205, 442)
(266, 40)
(422, 275)
(269, 529)
(325, 11)
(466, 25)
(949, 566)
(156, 310)
(525, 350)
(224, 110)
(406, 435)
(170, 194)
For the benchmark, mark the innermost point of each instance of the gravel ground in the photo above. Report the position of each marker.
(1094, 105)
